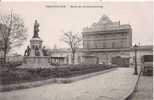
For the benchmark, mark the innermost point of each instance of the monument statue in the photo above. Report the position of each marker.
(36, 29)
(33, 55)
(44, 51)
(37, 52)
(27, 51)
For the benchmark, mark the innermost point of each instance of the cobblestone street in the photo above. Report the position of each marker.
(109, 86)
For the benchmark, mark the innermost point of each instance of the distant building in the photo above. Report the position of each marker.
(64, 56)
(107, 42)
(141, 51)
(106, 34)
(104, 42)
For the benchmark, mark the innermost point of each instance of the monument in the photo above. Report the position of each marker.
(35, 55)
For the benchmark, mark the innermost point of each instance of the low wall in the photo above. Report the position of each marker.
(36, 60)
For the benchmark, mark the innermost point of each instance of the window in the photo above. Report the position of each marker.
(121, 44)
(99, 44)
(104, 45)
(148, 58)
(113, 44)
(87, 44)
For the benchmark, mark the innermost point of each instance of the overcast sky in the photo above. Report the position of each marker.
(55, 20)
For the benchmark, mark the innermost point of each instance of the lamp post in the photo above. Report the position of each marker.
(135, 59)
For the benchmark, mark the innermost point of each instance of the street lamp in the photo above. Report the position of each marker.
(135, 59)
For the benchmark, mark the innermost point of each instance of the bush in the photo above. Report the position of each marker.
(13, 76)
(75, 70)
(11, 64)
(16, 75)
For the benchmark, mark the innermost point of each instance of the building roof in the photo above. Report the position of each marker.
(144, 47)
(105, 20)
(105, 24)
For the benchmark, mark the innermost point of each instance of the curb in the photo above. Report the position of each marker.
(77, 78)
(130, 93)
(7, 88)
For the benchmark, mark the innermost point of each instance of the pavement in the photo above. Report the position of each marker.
(145, 89)
(113, 85)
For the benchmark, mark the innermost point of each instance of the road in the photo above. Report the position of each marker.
(145, 90)
(108, 86)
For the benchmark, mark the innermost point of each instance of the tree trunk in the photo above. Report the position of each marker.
(5, 52)
(73, 57)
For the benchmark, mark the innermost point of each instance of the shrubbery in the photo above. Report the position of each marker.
(16, 75)
(74, 70)
(11, 64)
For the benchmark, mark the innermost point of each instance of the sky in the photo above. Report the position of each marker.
(54, 21)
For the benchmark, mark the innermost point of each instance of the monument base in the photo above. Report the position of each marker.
(36, 62)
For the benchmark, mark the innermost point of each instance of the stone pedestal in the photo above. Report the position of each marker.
(36, 43)
(36, 62)
(34, 55)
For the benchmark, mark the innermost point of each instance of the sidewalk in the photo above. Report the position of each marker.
(145, 89)
(113, 85)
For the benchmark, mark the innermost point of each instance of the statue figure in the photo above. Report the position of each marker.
(44, 51)
(27, 51)
(25, 54)
(36, 29)
(37, 52)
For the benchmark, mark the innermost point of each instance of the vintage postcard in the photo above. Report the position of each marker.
(60, 50)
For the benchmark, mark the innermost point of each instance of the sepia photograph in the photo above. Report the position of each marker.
(56, 50)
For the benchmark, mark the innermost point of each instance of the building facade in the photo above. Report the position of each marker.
(106, 34)
(64, 56)
(104, 42)
(107, 42)
(141, 51)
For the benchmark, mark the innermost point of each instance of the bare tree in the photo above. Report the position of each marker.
(73, 41)
(12, 31)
